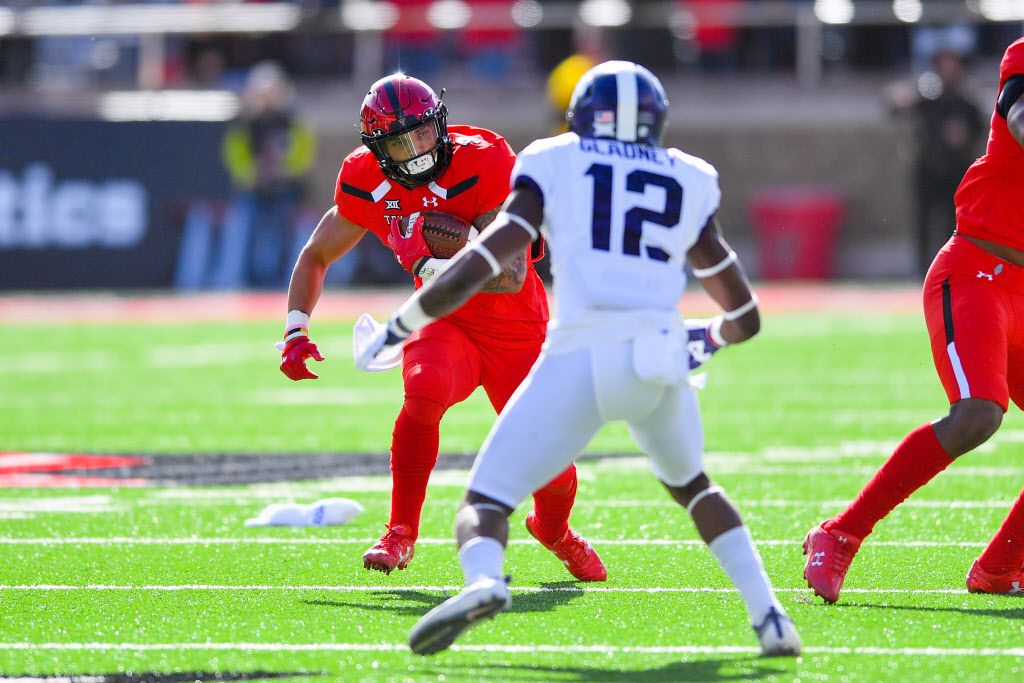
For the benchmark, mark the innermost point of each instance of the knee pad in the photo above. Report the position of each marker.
(423, 411)
(427, 391)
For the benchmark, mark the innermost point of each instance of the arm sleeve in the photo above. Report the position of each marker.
(496, 172)
(352, 206)
(714, 198)
(1010, 93)
(531, 170)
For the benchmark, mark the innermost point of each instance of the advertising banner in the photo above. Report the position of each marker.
(97, 204)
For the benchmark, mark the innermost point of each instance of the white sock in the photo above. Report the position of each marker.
(482, 558)
(736, 553)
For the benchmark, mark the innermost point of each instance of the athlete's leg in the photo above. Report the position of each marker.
(673, 437)
(1004, 555)
(541, 431)
(503, 371)
(967, 321)
(440, 368)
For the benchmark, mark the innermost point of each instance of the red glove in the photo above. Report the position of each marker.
(408, 248)
(294, 355)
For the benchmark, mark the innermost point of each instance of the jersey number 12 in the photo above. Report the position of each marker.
(636, 182)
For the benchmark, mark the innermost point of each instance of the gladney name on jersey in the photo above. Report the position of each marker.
(620, 218)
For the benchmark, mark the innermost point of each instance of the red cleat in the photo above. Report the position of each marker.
(829, 554)
(394, 550)
(981, 581)
(575, 553)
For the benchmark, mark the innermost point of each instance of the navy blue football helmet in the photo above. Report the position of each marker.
(619, 100)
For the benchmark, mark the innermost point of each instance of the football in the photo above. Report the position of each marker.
(445, 234)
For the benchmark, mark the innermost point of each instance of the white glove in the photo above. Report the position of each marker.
(384, 343)
(364, 334)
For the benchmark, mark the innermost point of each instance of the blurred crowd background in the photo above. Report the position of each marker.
(194, 144)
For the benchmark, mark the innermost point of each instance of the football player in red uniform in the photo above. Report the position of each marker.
(974, 309)
(411, 162)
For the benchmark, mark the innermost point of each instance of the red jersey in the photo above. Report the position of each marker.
(988, 201)
(475, 182)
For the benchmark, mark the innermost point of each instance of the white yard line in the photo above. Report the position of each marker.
(451, 589)
(517, 649)
(794, 542)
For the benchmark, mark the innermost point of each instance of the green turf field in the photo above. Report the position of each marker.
(167, 579)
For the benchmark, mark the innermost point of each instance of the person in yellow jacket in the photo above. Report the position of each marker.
(562, 80)
(268, 153)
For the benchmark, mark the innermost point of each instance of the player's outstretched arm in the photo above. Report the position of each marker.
(722, 276)
(333, 237)
(513, 275)
(508, 236)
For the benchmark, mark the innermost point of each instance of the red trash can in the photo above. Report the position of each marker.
(796, 231)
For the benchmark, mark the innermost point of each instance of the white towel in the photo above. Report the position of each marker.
(326, 512)
(364, 331)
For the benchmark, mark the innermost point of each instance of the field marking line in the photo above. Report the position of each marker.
(521, 649)
(141, 540)
(452, 588)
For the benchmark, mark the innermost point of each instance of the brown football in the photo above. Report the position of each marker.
(444, 233)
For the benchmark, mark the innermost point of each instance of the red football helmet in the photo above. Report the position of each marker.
(405, 125)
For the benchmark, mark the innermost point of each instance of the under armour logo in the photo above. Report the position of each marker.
(429, 201)
(995, 271)
(816, 559)
(1015, 587)
(842, 539)
(392, 205)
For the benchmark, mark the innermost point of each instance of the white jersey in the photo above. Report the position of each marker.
(619, 219)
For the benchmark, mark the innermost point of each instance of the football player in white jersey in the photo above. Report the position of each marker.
(622, 216)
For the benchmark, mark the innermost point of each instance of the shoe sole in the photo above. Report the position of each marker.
(441, 634)
(383, 567)
(782, 652)
(828, 600)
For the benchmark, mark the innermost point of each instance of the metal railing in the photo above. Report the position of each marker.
(370, 20)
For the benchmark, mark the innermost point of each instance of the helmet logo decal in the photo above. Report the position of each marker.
(396, 104)
(392, 204)
(604, 124)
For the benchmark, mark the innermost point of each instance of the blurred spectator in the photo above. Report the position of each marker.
(589, 51)
(268, 153)
(927, 41)
(715, 35)
(949, 129)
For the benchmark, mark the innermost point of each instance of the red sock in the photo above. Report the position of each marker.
(414, 446)
(914, 463)
(553, 505)
(1006, 549)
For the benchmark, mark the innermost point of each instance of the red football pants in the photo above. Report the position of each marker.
(442, 366)
(974, 307)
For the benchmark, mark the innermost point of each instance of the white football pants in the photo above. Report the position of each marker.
(562, 403)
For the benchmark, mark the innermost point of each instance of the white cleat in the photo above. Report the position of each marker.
(778, 635)
(439, 627)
